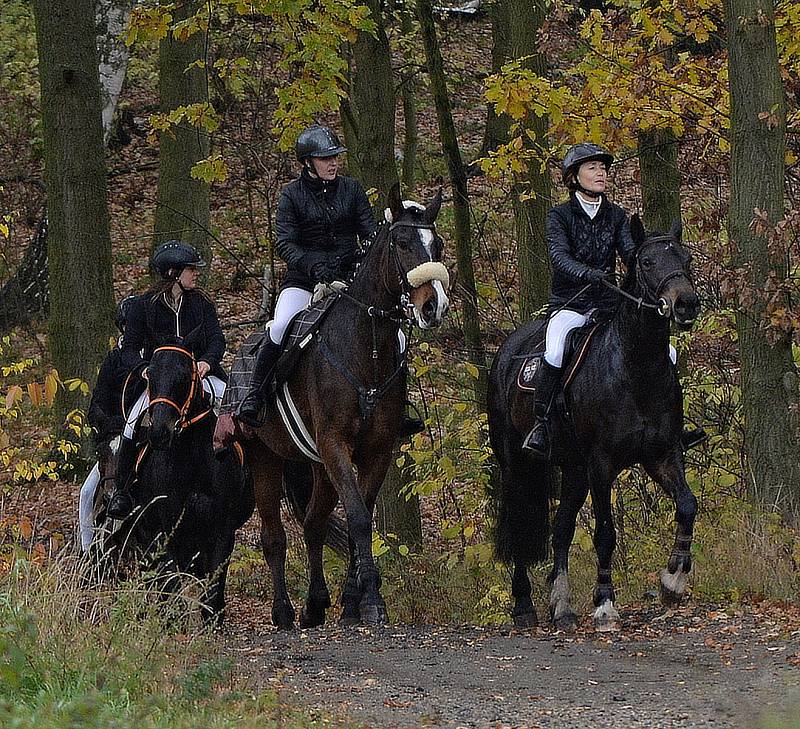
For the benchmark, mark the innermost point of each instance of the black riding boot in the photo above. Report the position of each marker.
(251, 407)
(538, 441)
(121, 503)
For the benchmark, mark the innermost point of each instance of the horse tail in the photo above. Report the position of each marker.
(298, 485)
(520, 492)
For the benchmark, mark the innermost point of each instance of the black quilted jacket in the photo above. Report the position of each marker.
(577, 243)
(320, 222)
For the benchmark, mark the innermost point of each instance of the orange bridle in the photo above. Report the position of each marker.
(183, 421)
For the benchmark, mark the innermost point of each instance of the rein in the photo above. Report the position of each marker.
(183, 421)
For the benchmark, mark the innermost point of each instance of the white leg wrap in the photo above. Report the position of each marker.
(675, 583)
(560, 596)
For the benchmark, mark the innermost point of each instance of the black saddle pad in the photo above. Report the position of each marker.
(242, 372)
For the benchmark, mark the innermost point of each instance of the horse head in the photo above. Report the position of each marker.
(417, 251)
(173, 385)
(661, 273)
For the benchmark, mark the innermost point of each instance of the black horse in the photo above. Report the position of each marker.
(624, 407)
(189, 503)
(350, 389)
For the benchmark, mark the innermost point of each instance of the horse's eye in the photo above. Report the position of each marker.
(647, 263)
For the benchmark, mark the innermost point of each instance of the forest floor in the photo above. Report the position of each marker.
(701, 665)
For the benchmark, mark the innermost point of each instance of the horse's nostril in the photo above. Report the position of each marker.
(428, 309)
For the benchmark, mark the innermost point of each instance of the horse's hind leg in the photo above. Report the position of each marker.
(315, 527)
(670, 475)
(213, 601)
(267, 472)
(574, 488)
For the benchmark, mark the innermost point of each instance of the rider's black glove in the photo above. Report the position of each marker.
(597, 276)
(324, 272)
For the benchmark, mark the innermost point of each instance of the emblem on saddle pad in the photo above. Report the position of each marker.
(527, 373)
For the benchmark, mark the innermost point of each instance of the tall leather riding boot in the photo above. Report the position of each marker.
(121, 503)
(538, 440)
(251, 407)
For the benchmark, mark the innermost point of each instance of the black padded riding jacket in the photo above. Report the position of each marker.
(577, 243)
(105, 408)
(150, 317)
(319, 222)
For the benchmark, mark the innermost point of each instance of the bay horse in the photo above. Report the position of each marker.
(189, 504)
(624, 407)
(349, 387)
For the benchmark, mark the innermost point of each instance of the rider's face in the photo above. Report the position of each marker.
(326, 168)
(593, 176)
(188, 278)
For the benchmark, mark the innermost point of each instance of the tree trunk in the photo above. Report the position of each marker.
(661, 179)
(461, 208)
(524, 18)
(496, 131)
(758, 129)
(409, 94)
(395, 515)
(79, 244)
(182, 202)
(372, 105)
(112, 20)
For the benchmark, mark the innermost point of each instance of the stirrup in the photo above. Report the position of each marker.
(120, 505)
(537, 442)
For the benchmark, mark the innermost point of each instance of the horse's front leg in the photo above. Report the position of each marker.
(574, 487)
(669, 473)
(605, 616)
(315, 529)
(339, 464)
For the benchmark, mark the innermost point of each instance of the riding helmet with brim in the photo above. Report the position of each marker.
(318, 141)
(174, 256)
(583, 152)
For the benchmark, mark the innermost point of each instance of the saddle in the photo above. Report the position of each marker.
(575, 350)
(299, 334)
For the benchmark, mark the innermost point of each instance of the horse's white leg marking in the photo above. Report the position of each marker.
(560, 597)
(675, 583)
(606, 617)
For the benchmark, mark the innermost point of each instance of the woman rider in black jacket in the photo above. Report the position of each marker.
(584, 236)
(174, 307)
(321, 216)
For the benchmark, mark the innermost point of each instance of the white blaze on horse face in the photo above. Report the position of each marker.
(442, 302)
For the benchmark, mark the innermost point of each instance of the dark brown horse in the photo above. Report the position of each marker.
(350, 390)
(625, 407)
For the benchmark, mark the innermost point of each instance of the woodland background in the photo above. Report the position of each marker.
(698, 99)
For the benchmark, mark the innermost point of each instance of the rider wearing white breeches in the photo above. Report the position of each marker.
(174, 307)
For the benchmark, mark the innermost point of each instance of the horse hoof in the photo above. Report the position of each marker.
(283, 619)
(374, 615)
(349, 618)
(526, 620)
(311, 618)
(672, 587)
(566, 622)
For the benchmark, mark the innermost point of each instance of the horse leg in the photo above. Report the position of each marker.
(671, 476)
(351, 594)
(267, 479)
(524, 613)
(213, 601)
(574, 488)
(315, 528)
(339, 464)
(606, 617)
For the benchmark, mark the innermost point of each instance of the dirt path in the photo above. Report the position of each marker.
(695, 667)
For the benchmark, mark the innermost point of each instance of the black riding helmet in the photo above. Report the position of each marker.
(121, 314)
(576, 155)
(174, 256)
(318, 141)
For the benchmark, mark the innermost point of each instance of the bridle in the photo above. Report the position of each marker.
(184, 421)
(661, 306)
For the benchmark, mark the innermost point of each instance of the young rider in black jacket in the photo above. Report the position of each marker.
(584, 236)
(174, 307)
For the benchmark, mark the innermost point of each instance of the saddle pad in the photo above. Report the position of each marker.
(526, 378)
(241, 372)
(306, 322)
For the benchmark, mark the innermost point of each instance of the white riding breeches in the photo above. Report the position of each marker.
(86, 502)
(211, 384)
(558, 328)
(290, 301)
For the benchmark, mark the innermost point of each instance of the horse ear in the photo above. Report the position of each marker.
(676, 231)
(637, 230)
(433, 208)
(395, 202)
